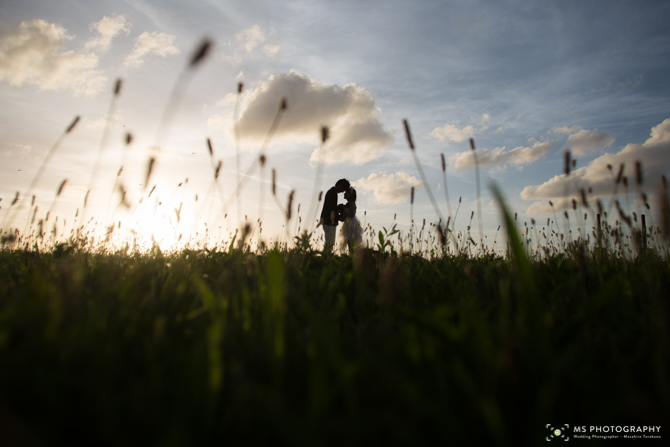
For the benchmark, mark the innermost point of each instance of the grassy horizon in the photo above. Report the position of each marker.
(298, 346)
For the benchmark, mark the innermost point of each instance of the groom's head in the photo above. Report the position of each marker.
(342, 185)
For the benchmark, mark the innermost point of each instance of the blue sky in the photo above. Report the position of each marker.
(526, 80)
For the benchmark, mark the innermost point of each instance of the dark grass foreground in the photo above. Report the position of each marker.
(299, 348)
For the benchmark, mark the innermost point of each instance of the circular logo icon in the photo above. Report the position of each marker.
(557, 432)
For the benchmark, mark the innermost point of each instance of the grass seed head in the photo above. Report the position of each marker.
(638, 173)
(117, 87)
(217, 171)
(72, 125)
(209, 147)
(289, 210)
(582, 193)
(442, 234)
(408, 134)
(201, 52)
(150, 168)
(60, 188)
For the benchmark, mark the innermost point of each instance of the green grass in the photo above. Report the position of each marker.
(294, 347)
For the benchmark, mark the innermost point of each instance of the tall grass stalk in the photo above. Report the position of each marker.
(479, 193)
(442, 233)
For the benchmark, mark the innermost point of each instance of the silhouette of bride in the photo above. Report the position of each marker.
(351, 233)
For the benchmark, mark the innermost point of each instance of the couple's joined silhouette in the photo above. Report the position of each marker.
(333, 213)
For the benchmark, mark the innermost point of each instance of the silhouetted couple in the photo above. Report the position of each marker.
(334, 213)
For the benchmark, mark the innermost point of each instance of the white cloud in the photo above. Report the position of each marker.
(357, 133)
(32, 53)
(501, 158)
(388, 188)
(581, 141)
(149, 43)
(247, 42)
(484, 123)
(568, 130)
(107, 29)
(457, 134)
(228, 100)
(453, 133)
(270, 50)
(599, 174)
(588, 140)
(250, 38)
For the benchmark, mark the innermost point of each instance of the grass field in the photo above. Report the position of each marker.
(299, 347)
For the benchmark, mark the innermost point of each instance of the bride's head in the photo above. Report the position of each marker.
(350, 194)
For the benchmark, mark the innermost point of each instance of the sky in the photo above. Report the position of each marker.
(527, 81)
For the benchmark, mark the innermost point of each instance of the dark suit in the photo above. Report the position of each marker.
(329, 212)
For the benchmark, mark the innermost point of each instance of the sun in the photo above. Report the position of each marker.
(156, 224)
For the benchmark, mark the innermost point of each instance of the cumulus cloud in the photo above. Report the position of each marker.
(501, 158)
(453, 133)
(270, 50)
(598, 175)
(388, 188)
(568, 130)
(457, 134)
(357, 133)
(247, 42)
(582, 141)
(151, 43)
(33, 54)
(484, 123)
(250, 38)
(106, 30)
